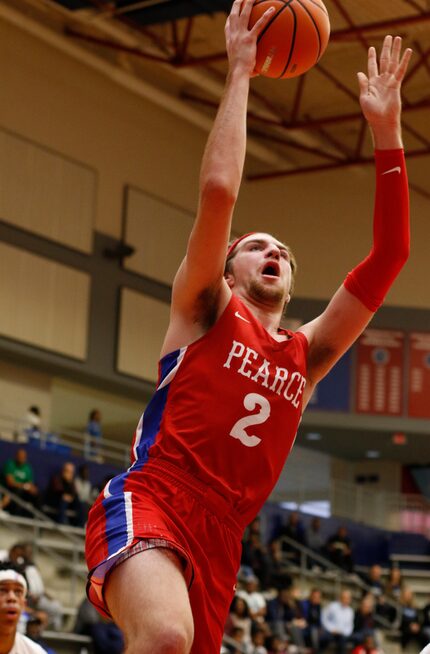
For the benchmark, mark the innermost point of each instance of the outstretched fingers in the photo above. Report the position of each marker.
(372, 63)
(262, 21)
(385, 58)
(403, 66)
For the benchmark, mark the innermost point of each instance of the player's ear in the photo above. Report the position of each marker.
(228, 276)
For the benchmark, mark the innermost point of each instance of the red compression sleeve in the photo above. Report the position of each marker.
(372, 278)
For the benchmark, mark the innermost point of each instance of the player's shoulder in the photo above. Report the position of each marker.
(24, 645)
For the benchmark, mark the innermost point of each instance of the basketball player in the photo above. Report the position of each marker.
(13, 589)
(164, 538)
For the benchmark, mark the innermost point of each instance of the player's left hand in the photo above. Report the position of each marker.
(380, 90)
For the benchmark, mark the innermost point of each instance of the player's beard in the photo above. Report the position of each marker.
(273, 295)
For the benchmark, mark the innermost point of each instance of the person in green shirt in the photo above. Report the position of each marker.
(18, 478)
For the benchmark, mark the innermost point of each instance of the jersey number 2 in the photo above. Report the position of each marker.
(251, 402)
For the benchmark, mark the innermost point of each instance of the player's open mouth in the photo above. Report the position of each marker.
(271, 270)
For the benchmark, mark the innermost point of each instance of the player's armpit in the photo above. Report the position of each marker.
(333, 332)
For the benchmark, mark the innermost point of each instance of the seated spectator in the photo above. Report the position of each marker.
(313, 537)
(18, 478)
(256, 556)
(368, 646)
(33, 426)
(63, 497)
(239, 616)
(254, 598)
(38, 599)
(339, 550)
(279, 567)
(107, 637)
(285, 616)
(34, 631)
(238, 636)
(410, 627)
(394, 585)
(293, 530)
(425, 631)
(315, 635)
(4, 500)
(364, 620)
(338, 621)
(258, 638)
(95, 433)
(374, 580)
(276, 645)
(84, 488)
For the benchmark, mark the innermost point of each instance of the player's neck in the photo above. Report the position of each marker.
(269, 317)
(7, 639)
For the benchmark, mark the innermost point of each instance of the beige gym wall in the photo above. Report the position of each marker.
(61, 104)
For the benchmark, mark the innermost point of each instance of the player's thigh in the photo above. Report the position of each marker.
(148, 597)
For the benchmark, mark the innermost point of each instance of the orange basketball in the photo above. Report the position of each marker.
(294, 39)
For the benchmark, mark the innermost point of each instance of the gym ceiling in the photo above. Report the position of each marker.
(300, 126)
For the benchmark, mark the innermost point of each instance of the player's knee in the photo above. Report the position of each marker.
(164, 639)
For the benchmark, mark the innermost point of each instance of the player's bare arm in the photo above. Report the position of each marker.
(347, 315)
(199, 290)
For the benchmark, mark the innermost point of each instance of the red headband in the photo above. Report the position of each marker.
(235, 243)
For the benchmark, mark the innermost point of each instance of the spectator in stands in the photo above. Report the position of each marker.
(239, 616)
(285, 616)
(313, 537)
(107, 638)
(339, 549)
(33, 425)
(13, 589)
(4, 500)
(35, 632)
(255, 556)
(315, 635)
(18, 478)
(63, 497)
(338, 621)
(84, 488)
(293, 530)
(394, 585)
(95, 432)
(374, 580)
(258, 638)
(425, 629)
(254, 599)
(37, 597)
(279, 567)
(368, 646)
(410, 627)
(275, 645)
(238, 636)
(364, 620)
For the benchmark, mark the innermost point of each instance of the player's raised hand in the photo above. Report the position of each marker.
(380, 90)
(241, 41)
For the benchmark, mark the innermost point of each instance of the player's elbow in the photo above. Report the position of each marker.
(219, 192)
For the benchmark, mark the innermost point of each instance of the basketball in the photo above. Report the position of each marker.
(293, 40)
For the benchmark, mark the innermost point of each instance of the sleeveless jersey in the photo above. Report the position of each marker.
(227, 408)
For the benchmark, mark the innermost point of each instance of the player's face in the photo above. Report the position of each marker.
(12, 602)
(261, 267)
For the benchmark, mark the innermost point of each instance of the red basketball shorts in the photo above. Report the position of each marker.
(163, 503)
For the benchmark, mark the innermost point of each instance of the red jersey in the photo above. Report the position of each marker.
(227, 408)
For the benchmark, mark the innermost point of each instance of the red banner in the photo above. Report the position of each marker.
(419, 375)
(379, 383)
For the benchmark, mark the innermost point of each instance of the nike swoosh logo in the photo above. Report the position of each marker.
(397, 169)
(237, 314)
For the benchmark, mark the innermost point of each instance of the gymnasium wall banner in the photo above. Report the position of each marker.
(419, 375)
(380, 372)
